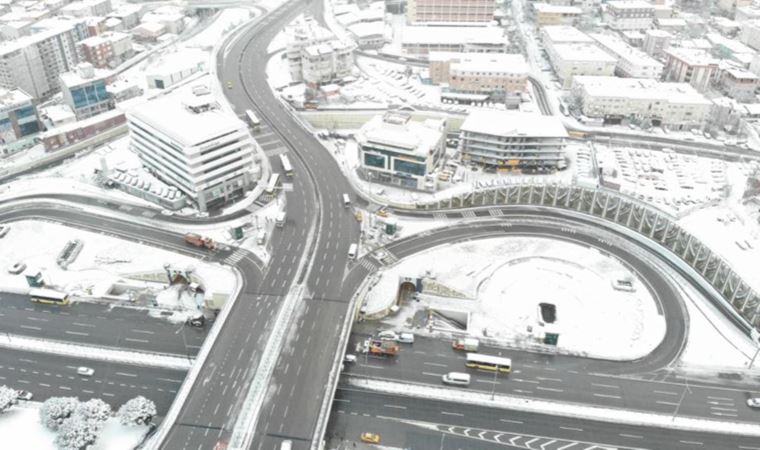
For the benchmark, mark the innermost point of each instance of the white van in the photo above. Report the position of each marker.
(261, 237)
(279, 220)
(286, 445)
(346, 200)
(352, 251)
(457, 379)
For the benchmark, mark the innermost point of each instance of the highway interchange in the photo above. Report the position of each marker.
(311, 250)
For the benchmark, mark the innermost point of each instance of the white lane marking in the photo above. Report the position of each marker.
(607, 396)
(395, 406)
(452, 414)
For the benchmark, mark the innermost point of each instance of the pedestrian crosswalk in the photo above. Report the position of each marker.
(496, 212)
(367, 264)
(235, 257)
(468, 214)
(439, 215)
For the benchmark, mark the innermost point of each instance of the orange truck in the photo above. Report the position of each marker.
(382, 347)
(200, 241)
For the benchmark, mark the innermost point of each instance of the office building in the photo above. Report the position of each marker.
(398, 151)
(84, 90)
(190, 143)
(513, 141)
(479, 72)
(685, 65)
(18, 120)
(676, 105)
(628, 14)
(107, 49)
(461, 12)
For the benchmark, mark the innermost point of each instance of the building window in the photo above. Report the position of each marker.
(399, 165)
(374, 160)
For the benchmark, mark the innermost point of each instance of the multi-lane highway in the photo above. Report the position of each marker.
(98, 324)
(46, 375)
(424, 424)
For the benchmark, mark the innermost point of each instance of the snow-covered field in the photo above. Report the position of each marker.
(102, 261)
(507, 278)
(21, 429)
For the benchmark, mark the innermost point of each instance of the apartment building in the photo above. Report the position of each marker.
(479, 72)
(631, 62)
(107, 49)
(570, 60)
(84, 90)
(547, 14)
(656, 42)
(750, 34)
(676, 105)
(729, 6)
(315, 56)
(461, 12)
(738, 83)
(398, 151)
(513, 141)
(423, 40)
(18, 120)
(693, 66)
(190, 143)
(33, 63)
(563, 34)
(629, 14)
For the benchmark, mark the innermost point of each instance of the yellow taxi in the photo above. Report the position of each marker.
(382, 212)
(370, 438)
(359, 216)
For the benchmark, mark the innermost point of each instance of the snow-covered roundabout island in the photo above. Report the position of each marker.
(496, 288)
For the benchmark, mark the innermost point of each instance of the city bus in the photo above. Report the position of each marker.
(49, 296)
(488, 362)
(286, 167)
(252, 118)
(274, 180)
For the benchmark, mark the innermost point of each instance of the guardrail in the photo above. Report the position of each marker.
(739, 301)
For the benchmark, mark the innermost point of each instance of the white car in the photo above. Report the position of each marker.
(16, 268)
(753, 402)
(388, 335)
(349, 358)
(86, 371)
(24, 395)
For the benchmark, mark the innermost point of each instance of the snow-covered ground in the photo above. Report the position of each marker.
(21, 429)
(505, 279)
(103, 261)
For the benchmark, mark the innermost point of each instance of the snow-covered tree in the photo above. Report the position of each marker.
(138, 411)
(56, 410)
(76, 433)
(95, 410)
(8, 398)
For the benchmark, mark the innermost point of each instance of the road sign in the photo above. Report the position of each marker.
(551, 338)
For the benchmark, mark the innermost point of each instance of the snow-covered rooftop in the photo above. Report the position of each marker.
(564, 34)
(170, 115)
(13, 97)
(452, 35)
(582, 52)
(629, 4)
(640, 88)
(556, 9)
(507, 123)
(398, 131)
(485, 62)
(692, 56)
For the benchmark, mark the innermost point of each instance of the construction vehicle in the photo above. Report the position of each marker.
(466, 344)
(200, 241)
(382, 347)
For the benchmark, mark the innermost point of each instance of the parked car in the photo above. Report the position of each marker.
(86, 371)
(370, 438)
(24, 395)
(17, 268)
(349, 358)
(753, 402)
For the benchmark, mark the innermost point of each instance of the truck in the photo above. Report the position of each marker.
(200, 241)
(279, 220)
(382, 347)
(466, 344)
